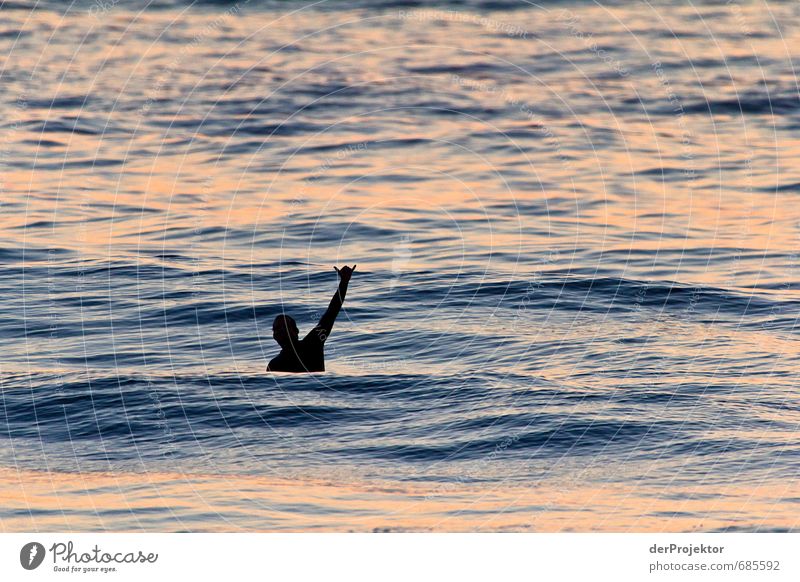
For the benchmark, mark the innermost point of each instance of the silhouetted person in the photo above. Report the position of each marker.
(307, 355)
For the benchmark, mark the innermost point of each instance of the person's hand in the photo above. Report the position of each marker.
(345, 272)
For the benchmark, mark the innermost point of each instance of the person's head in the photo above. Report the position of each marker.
(284, 330)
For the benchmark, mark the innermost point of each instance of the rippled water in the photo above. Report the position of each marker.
(576, 227)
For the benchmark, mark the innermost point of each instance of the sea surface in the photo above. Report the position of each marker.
(576, 226)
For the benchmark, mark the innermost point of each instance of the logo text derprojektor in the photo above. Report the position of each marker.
(66, 554)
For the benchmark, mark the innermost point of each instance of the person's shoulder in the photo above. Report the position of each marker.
(316, 335)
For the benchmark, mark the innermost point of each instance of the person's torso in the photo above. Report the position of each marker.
(307, 355)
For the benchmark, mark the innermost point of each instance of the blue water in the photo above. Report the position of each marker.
(576, 228)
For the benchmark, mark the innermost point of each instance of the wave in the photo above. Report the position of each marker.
(221, 5)
(365, 417)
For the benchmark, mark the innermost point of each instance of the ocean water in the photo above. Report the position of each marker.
(576, 229)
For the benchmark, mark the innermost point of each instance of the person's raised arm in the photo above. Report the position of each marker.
(326, 322)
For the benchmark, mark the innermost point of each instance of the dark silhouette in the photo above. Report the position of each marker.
(307, 355)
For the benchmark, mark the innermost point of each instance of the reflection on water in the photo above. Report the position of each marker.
(211, 503)
(577, 250)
